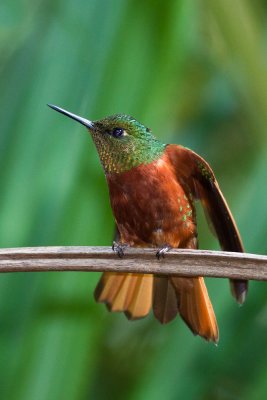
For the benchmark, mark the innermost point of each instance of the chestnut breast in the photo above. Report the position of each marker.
(151, 207)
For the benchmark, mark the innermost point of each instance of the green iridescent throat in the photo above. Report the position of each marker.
(136, 146)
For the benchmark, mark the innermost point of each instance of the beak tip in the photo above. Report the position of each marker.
(83, 121)
(52, 106)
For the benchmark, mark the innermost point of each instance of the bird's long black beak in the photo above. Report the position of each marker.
(83, 121)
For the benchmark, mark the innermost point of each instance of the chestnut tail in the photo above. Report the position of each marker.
(134, 294)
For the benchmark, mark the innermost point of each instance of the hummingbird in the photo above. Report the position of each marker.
(153, 188)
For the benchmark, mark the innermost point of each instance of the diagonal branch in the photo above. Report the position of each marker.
(181, 262)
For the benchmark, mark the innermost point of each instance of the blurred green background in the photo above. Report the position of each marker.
(193, 71)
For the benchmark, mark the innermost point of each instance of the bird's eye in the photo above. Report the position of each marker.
(117, 132)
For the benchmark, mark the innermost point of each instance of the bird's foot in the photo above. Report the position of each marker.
(119, 248)
(162, 251)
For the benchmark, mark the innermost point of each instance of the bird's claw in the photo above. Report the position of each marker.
(119, 248)
(162, 251)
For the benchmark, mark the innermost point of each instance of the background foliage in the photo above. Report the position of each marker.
(195, 72)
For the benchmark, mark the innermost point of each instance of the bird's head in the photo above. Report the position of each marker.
(121, 141)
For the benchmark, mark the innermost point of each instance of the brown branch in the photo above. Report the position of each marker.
(176, 262)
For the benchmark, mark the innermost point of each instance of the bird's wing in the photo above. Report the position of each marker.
(197, 177)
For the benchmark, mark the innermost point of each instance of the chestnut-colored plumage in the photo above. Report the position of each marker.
(152, 189)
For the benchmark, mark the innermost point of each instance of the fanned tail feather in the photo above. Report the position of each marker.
(195, 307)
(130, 293)
(133, 293)
(140, 302)
(108, 287)
(165, 306)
